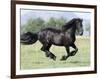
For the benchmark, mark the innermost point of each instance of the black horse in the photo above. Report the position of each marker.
(51, 36)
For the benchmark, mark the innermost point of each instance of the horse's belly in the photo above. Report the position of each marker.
(58, 44)
(61, 41)
(57, 40)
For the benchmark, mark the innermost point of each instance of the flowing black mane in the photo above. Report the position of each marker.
(70, 24)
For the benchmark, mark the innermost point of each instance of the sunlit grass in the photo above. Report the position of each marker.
(32, 57)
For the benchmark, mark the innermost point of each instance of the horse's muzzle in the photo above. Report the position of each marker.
(81, 33)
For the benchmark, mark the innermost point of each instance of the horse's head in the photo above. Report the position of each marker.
(79, 26)
(76, 23)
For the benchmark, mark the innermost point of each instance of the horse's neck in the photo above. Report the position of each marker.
(71, 31)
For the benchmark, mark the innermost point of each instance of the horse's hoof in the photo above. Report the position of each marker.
(52, 56)
(47, 55)
(72, 53)
(63, 58)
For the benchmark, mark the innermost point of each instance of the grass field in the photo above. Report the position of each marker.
(32, 57)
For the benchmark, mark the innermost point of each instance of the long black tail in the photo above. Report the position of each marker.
(29, 38)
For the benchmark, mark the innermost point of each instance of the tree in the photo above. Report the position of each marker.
(60, 22)
(55, 22)
(32, 25)
(51, 22)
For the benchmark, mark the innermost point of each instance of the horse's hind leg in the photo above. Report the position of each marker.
(46, 48)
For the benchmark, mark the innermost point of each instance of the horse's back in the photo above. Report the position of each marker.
(51, 30)
(47, 34)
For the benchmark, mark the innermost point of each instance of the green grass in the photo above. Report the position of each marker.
(32, 57)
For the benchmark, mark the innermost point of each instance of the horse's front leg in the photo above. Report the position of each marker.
(74, 51)
(68, 53)
(46, 48)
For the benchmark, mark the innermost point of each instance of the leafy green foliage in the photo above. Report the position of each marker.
(34, 25)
